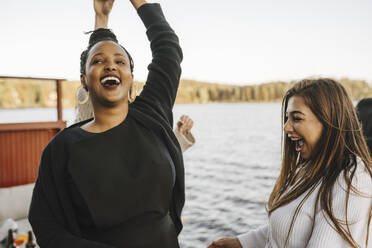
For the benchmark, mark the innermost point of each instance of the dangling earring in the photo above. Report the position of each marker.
(82, 90)
(131, 98)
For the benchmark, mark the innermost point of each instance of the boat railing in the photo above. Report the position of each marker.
(21, 144)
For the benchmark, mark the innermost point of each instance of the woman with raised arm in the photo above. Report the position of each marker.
(323, 195)
(84, 109)
(116, 180)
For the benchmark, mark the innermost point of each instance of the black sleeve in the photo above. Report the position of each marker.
(49, 231)
(164, 70)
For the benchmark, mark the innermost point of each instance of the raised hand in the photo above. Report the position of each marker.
(137, 3)
(102, 8)
(185, 124)
(226, 243)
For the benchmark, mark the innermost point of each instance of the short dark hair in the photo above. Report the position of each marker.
(98, 35)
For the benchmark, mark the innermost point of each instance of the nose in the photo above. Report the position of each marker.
(110, 66)
(288, 128)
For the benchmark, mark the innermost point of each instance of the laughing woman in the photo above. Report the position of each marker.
(117, 180)
(323, 196)
(84, 109)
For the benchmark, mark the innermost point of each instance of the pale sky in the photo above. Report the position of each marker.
(231, 41)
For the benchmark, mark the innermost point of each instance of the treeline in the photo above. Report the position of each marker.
(199, 92)
(21, 93)
(25, 93)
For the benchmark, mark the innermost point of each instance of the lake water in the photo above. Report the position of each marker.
(230, 171)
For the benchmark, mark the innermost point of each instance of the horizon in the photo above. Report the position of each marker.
(26, 77)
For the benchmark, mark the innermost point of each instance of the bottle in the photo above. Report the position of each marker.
(10, 243)
(30, 243)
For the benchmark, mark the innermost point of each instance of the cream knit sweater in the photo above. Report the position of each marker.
(274, 234)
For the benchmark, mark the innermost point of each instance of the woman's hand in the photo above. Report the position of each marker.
(102, 8)
(138, 3)
(185, 124)
(226, 243)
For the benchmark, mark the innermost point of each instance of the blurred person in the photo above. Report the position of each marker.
(364, 109)
(183, 132)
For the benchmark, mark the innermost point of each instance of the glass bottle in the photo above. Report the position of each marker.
(10, 243)
(30, 243)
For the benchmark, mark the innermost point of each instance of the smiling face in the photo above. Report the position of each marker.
(302, 126)
(108, 76)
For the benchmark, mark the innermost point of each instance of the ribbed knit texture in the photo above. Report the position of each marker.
(274, 234)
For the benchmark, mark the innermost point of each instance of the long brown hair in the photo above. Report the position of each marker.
(336, 152)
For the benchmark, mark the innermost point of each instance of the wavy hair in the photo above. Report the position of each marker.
(336, 153)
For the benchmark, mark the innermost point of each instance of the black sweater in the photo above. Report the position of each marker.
(52, 213)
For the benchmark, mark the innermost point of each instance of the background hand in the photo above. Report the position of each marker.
(103, 7)
(226, 243)
(185, 124)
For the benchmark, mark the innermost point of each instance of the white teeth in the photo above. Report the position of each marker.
(300, 143)
(110, 78)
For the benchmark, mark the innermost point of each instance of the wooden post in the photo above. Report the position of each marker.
(21, 144)
(59, 99)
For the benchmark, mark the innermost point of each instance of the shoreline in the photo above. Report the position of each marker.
(26, 93)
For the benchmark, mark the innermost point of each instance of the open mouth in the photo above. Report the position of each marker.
(299, 144)
(110, 81)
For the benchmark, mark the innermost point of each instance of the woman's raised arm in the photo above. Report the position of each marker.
(137, 3)
(160, 90)
(102, 8)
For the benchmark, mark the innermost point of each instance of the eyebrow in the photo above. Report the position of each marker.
(295, 112)
(97, 54)
(116, 54)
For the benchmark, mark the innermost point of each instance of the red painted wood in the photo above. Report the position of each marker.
(21, 144)
(20, 153)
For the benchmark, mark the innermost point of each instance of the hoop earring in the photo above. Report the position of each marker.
(130, 94)
(86, 96)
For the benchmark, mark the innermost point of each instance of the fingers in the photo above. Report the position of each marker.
(216, 244)
(188, 124)
(226, 243)
(212, 246)
(185, 124)
(179, 124)
(220, 243)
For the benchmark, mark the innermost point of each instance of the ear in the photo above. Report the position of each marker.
(132, 79)
(83, 81)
